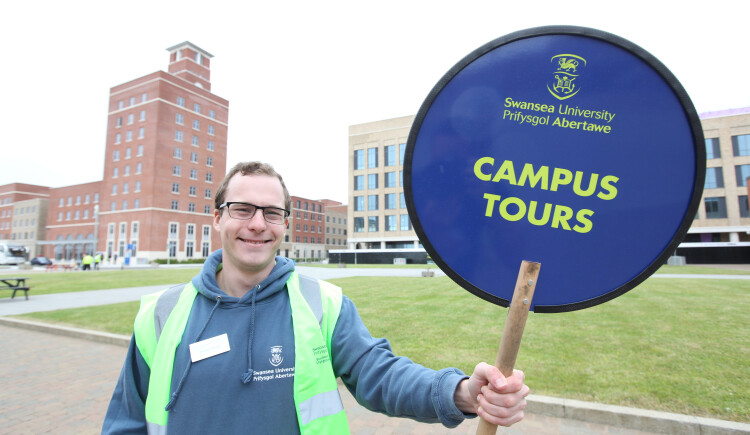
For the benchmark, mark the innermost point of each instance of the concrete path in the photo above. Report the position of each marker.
(62, 385)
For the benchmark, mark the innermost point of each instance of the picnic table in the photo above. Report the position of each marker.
(15, 284)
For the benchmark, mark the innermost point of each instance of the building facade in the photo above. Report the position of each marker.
(164, 159)
(720, 232)
(378, 218)
(380, 230)
(23, 214)
(336, 225)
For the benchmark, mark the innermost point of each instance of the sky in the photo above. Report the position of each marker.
(297, 74)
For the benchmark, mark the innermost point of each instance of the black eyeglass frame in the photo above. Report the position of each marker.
(257, 207)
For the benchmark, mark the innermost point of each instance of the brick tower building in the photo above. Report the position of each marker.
(165, 156)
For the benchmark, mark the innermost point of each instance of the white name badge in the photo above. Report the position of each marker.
(209, 347)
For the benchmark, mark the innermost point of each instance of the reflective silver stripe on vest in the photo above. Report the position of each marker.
(310, 289)
(164, 306)
(320, 405)
(155, 429)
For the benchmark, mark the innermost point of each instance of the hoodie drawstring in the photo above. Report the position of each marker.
(248, 376)
(176, 393)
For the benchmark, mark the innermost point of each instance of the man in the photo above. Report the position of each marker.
(251, 347)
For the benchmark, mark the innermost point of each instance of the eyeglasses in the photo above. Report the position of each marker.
(244, 211)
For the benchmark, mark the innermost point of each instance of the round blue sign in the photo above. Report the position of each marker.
(566, 146)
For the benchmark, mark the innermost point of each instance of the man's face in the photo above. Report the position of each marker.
(250, 245)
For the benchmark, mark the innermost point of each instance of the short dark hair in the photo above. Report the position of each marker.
(250, 168)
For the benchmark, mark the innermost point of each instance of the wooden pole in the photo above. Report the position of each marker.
(513, 329)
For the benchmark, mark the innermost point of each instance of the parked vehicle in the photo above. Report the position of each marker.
(12, 254)
(41, 261)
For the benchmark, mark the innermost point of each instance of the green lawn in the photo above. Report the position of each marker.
(43, 283)
(675, 345)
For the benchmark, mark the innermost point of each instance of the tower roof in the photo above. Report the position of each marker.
(188, 44)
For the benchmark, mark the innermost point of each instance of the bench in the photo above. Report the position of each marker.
(15, 284)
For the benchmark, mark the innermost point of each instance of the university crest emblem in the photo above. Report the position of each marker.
(568, 67)
(276, 357)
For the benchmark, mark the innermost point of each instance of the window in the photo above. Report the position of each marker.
(212, 114)
(141, 132)
(180, 101)
(210, 145)
(125, 187)
(194, 157)
(136, 203)
(372, 202)
(143, 97)
(142, 116)
(209, 177)
(137, 186)
(390, 179)
(196, 125)
(403, 200)
(114, 189)
(359, 224)
(196, 106)
(211, 130)
(191, 191)
(140, 151)
(390, 222)
(127, 153)
(359, 182)
(129, 136)
(741, 145)
(372, 157)
(86, 199)
(714, 178)
(744, 211)
(359, 159)
(118, 123)
(716, 208)
(372, 224)
(117, 138)
(177, 154)
(179, 118)
(402, 152)
(116, 156)
(208, 194)
(405, 222)
(174, 205)
(390, 155)
(207, 209)
(372, 181)
(209, 161)
(132, 101)
(138, 168)
(124, 204)
(193, 174)
(742, 172)
(120, 105)
(131, 118)
(189, 249)
(205, 249)
(175, 187)
(191, 207)
(176, 170)
(178, 135)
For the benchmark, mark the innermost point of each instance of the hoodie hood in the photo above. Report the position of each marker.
(206, 283)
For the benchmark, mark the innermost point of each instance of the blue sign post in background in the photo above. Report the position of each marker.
(566, 146)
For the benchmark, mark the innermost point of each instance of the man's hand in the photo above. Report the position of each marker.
(489, 394)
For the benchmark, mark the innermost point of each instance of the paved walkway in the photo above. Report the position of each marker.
(62, 384)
